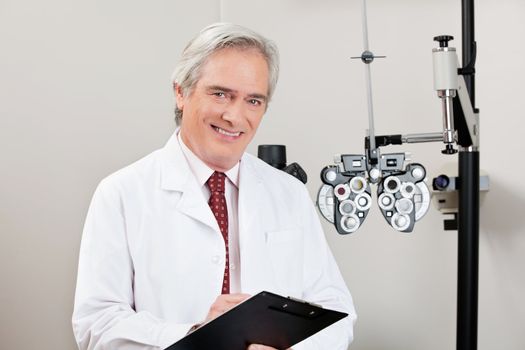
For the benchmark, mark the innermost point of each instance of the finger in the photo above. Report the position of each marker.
(227, 301)
(260, 347)
(234, 297)
(224, 303)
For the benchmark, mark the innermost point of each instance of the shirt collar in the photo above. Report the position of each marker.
(203, 172)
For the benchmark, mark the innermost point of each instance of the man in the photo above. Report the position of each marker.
(188, 232)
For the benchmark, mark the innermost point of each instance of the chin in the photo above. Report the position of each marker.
(225, 163)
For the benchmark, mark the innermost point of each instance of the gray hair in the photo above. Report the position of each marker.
(216, 37)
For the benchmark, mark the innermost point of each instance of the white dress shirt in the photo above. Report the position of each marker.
(202, 173)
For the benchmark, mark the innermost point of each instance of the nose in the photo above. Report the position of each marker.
(234, 112)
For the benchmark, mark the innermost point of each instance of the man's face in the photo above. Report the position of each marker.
(224, 109)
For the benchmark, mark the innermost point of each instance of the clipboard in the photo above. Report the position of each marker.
(265, 318)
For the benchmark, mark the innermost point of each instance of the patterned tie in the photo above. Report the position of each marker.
(217, 204)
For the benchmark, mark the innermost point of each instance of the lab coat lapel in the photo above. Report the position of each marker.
(176, 175)
(251, 190)
(251, 233)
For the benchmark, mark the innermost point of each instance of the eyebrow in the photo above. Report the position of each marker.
(225, 89)
(259, 96)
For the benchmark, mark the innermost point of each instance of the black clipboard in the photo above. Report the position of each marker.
(265, 318)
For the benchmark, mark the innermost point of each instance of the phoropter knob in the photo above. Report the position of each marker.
(443, 40)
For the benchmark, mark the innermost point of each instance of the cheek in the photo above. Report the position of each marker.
(254, 121)
(203, 118)
(212, 110)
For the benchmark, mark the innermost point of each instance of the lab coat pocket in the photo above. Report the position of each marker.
(285, 251)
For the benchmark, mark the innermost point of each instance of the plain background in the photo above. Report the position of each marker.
(85, 90)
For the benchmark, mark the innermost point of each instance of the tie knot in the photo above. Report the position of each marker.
(216, 182)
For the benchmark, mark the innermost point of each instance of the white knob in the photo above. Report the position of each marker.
(331, 175)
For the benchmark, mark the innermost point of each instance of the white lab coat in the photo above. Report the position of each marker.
(152, 256)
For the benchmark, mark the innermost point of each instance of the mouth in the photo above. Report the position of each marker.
(226, 132)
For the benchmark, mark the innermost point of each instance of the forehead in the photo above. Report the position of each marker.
(245, 70)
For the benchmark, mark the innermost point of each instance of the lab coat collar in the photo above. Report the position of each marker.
(175, 171)
(176, 175)
(201, 170)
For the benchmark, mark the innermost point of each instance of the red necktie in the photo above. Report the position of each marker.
(217, 204)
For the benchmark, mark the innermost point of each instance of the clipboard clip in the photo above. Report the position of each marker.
(304, 302)
(298, 307)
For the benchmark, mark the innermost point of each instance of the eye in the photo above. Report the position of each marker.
(254, 102)
(219, 94)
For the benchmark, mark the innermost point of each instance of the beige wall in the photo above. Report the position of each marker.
(84, 90)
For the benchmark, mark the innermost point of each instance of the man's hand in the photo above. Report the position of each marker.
(224, 303)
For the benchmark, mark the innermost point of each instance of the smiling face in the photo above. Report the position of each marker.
(220, 115)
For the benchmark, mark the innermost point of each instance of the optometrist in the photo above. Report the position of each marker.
(191, 230)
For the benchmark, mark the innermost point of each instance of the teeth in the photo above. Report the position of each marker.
(224, 132)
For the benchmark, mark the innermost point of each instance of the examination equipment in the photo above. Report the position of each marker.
(344, 198)
(275, 155)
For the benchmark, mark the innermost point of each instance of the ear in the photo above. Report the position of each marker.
(179, 96)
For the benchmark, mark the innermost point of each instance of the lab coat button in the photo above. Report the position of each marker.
(216, 259)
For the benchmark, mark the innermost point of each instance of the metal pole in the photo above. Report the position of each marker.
(468, 211)
(468, 251)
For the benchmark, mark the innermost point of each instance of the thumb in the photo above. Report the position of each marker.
(255, 347)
